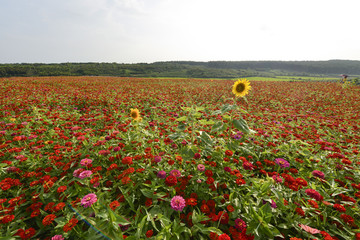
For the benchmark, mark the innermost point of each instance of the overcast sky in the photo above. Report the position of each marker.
(133, 31)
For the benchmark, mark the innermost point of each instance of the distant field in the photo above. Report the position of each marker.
(293, 78)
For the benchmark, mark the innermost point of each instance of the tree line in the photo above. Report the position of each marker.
(187, 69)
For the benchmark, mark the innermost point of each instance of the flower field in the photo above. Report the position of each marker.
(116, 158)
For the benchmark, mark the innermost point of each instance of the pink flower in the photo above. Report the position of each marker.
(277, 178)
(77, 172)
(57, 237)
(84, 162)
(201, 167)
(88, 200)
(84, 174)
(175, 173)
(178, 203)
(309, 229)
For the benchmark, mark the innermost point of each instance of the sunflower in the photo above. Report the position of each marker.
(241, 87)
(135, 114)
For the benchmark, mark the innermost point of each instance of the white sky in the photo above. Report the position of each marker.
(132, 31)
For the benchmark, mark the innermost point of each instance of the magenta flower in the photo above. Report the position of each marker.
(178, 203)
(57, 237)
(282, 162)
(84, 174)
(84, 162)
(240, 224)
(161, 174)
(89, 200)
(175, 173)
(157, 159)
(319, 174)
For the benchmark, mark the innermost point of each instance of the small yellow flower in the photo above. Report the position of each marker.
(241, 88)
(12, 119)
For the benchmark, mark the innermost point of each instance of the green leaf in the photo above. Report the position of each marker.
(217, 126)
(140, 227)
(180, 119)
(206, 138)
(242, 125)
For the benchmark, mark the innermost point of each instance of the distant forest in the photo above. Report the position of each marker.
(187, 69)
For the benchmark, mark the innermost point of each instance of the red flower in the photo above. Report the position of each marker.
(213, 236)
(59, 207)
(114, 204)
(48, 219)
(7, 218)
(72, 223)
(26, 234)
(127, 160)
(224, 217)
(149, 233)
(61, 189)
(191, 202)
(209, 173)
(171, 181)
(300, 212)
(339, 207)
(228, 153)
(230, 208)
(248, 165)
(314, 194)
(205, 208)
(224, 236)
(347, 218)
(210, 180)
(148, 202)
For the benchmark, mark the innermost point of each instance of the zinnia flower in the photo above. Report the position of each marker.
(85, 162)
(240, 224)
(314, 194)
(177, 203)
(157, 159)
(57, 237)
(171, 181)
(319, 174)
(175, 173)
(241, 88)
(282, 162)
(161, 174)
(201, 167)
(89, 200)
(84, 174)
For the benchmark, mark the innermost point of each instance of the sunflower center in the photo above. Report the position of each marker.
(240, 87)
(134, 115)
